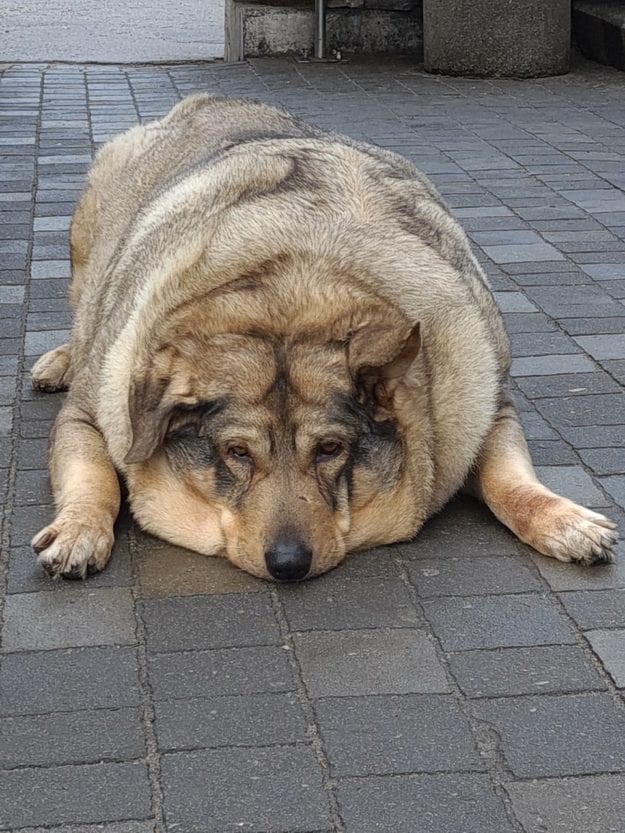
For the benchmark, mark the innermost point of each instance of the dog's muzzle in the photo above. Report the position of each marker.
(288, 560)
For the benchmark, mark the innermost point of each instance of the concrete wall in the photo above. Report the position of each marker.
(287, 27)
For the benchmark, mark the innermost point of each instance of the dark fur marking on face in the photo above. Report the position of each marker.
(187, 444)
(377, 445)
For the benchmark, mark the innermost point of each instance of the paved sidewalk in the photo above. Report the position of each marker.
(460, 684)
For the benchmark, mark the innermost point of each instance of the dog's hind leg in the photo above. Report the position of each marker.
(506, 481)
(52, 371)
(87, 496)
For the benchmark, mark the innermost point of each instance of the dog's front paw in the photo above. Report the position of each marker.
(570, 532)
(74, 548)
(51, 372)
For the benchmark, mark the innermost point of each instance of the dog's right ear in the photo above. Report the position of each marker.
(155, 393)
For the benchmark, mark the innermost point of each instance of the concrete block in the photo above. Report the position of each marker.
(520, 38)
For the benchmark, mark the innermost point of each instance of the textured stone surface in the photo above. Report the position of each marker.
(210, 622)
(610, 648)
(252, 789)
(369, 662)
(54, 620)
(83, 678)
(496, 622)
(441, 803)
(595, 804)
(544, 669)
(404, 662)
(491, 37)
(395, 734)
(558, 735)
(115, 791)
(244, 720)
(71, 737)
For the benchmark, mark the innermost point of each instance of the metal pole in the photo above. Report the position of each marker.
(320, 29)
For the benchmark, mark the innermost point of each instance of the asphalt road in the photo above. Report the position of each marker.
(111, 30)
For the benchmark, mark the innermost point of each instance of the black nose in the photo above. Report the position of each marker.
(288, 561)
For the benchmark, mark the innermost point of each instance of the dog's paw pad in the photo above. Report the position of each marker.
(51, 371)
(73, 549)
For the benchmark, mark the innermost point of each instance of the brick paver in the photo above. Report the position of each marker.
(460, 682)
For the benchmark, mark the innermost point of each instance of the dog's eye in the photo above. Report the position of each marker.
(328, 449)
(238, 452)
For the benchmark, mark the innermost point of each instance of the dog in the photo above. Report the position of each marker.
(284, 344)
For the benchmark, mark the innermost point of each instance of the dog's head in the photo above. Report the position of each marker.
(278, 445)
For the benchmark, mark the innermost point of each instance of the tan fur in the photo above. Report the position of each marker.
(247, 289)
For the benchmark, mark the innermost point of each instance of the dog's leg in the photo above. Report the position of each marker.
(87, 497)
(505, 480)
(52, 371)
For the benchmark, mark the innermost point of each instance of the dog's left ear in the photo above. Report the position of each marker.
(379, 358)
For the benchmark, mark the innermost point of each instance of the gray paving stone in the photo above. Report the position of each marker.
(594, 804)
(198, 622)
(604, 271)
(39, 621)
(11, 294)
(524, 253)
(89, 792)
(351, 663)
(604, 460)
(505, 621)
(380, 561)
(514, 302)
(166, 570)
(575, 411)
(527, 322)
(567, 384)
(590, 436)
(473, 576)
(571, 482)
(46, 269)
(596, 608)
(396, 734)
(609, 645)
(220, 672)
(71, 738)
(536, 344)
(615, 486)
(84, 678)
(258, 789)
(441, 538)
(127, 826)
(551, 453)
(550, 669)
(437, 803)
(506, 238)
(6, 421)
(603, 346)
(37, 343)
(551, 365)
(535, 427)
(334, 602)
(245, 720)
(552, 735)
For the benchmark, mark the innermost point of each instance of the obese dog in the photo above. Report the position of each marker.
(284, 344)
